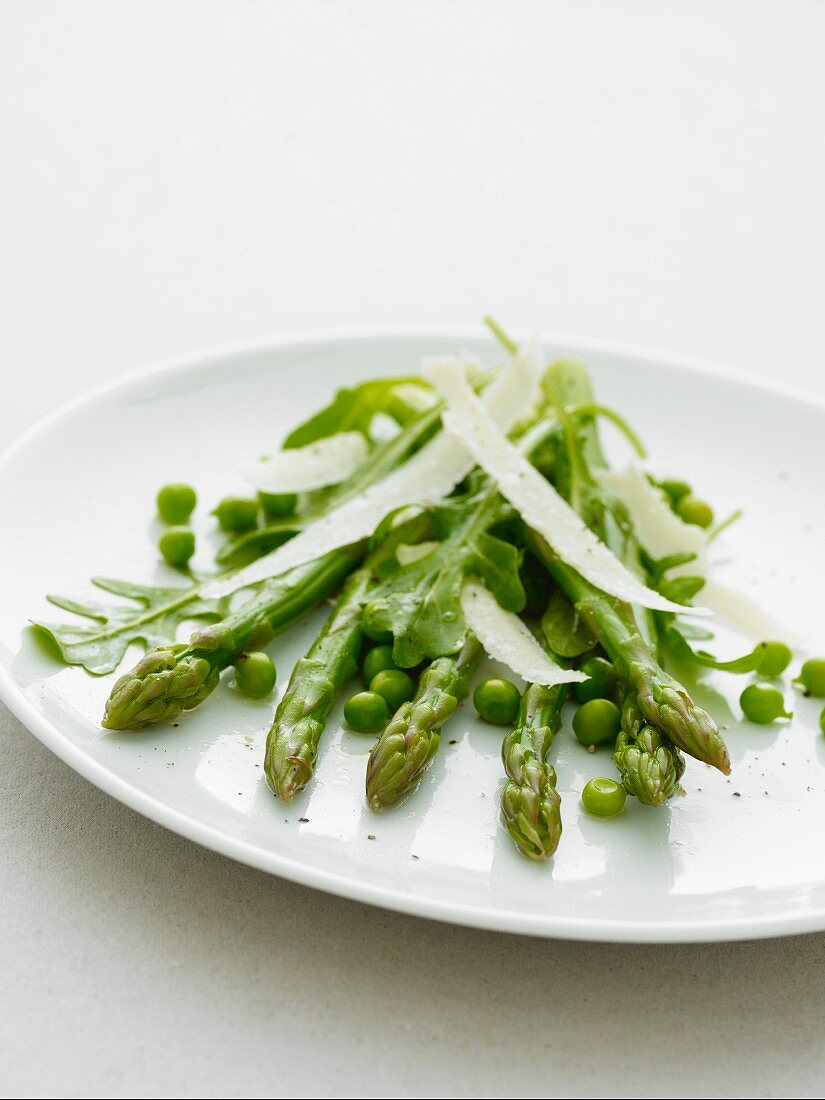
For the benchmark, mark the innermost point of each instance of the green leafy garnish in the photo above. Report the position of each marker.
(354, 409)
(563, 628)
(99, 648)
(676, 640)
(420, 603)
(658, 567)
(681, 589)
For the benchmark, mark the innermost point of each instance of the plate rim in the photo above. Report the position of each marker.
(271, 862)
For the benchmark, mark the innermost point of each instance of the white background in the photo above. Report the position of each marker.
(175, 175)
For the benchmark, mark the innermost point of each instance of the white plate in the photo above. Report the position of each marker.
(735, 858)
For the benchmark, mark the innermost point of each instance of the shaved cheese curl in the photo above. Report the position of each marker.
(657, 527)
(325, 462)
(505, 638)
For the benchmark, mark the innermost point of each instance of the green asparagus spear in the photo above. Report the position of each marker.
(407, 746)
(629, 635)
(649, 766)
(530, 803)
(316, 680)
(663, 701)
(174, 678)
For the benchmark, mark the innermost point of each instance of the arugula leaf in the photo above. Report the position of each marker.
(419, 603)
(353, 410)
(657, 567)
(99, 648)
(681, 589)
(683, 651)
(563, 628)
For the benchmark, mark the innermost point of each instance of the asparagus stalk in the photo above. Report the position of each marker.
(171, 679)
(530, 803)
(663, 702)
(407, 746)
(650, 767)
(316, 680)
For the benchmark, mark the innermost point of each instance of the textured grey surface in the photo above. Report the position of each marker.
(180, 174)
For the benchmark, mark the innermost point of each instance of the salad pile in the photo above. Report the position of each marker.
(461, 513)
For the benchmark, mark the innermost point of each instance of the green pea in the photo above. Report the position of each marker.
(176, 502)
(775, 659)
(597, 722)
(762, 704)
(675, 489)
(236, 514)
(393, 685)
(822, 720)
(601, 684)
(812, 676)
(278, 505)
(370, 626)
(177, 545)
(377, 660)
(693, 510)
(366, 712)
(255, 674)
(497, 701)
(603, 797)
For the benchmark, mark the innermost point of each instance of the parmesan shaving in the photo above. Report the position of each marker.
(324, 462)
(429, 475)
(505, 638)
(541, 507)
(657, 527)
(738, 611)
